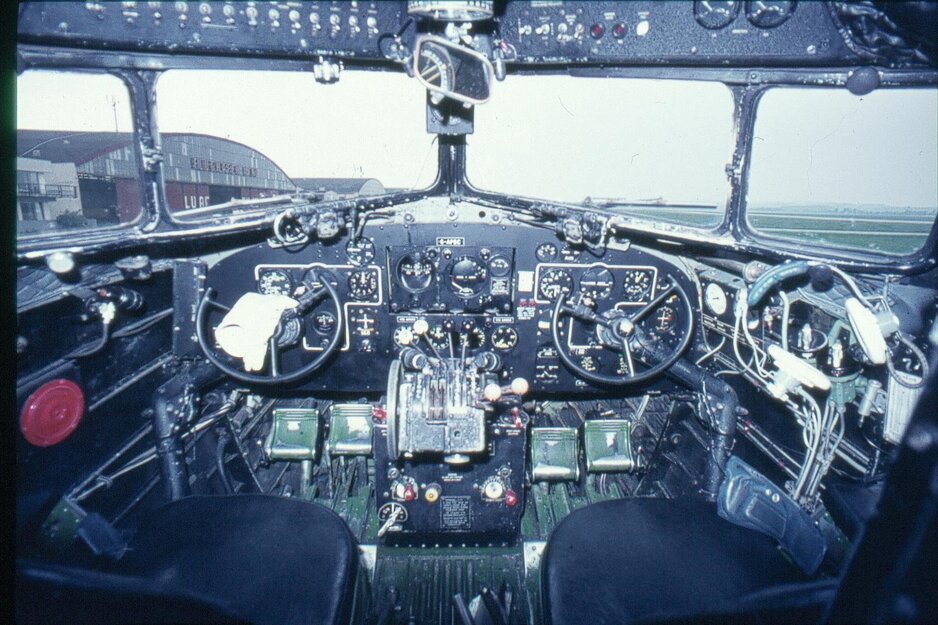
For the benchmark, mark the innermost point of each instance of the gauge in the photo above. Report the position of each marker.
(636, 285)
(324, 322)
(554, 283)
(504, 338)
(474, 338)
(360, 251)
(589, 364)
(546, 252)
(452, 10)
(404, 336)
(438, 337)
(714, 14)
(769, 13)
(363, 283)
(468, 276)
(596, 283)
(364, 323)
(664, 319)
(415, 272)
(435, 67)
(275, 282)
(715, 298)
(569, 253)
(499, 266)
(394, 509)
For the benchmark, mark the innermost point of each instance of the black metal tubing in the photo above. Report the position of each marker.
(173, 407)
(722, 404)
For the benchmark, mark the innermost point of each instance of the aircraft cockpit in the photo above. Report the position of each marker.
(475, 312)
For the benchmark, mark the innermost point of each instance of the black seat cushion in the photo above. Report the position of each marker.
(49, 593)
(634, 559)
(262, 558)
(238, 558)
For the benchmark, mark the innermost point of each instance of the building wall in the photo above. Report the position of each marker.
(59, 176)
(198, 159)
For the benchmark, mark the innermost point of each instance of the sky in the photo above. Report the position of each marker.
(554, 137)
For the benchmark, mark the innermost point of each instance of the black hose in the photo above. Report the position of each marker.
(96, 348)
(220, 461)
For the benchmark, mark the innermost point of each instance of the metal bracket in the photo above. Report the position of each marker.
(327, 71)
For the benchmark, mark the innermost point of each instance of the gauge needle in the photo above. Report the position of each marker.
(431, 73)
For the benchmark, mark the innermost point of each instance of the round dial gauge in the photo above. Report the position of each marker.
(275, 282)
(554, 283)
(324, 321)
(664, 319)
(404, 336)
(438, 337)
(415, 272)
(499, 266)
(363, 323)
(715, 299)
(468, 276)
(636, 285)
(360, 251)
(769, 13)
(474, 338)
(570, 254)
(596, 283)
(504, 338)
(714, 14)
(546, 252)
(363, 283)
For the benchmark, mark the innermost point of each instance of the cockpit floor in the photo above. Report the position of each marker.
(417, 583)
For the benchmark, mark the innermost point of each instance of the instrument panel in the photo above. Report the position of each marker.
(457, 297)
(639, 32)
(450, 276)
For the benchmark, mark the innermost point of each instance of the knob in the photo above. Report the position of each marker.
(511, 499)
(520, 386)
(493, 489)
(432, 493)
(413, 359)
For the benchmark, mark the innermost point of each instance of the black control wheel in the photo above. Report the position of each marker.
(644, 341)
(289, 332)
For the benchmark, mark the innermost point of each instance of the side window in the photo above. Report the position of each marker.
(76, 165)
(833, 169)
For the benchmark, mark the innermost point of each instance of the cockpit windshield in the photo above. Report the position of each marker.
(649, 148)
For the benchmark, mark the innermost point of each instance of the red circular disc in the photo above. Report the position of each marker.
(52, 412)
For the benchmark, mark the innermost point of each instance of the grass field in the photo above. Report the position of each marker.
(873, 228)
(880, 229)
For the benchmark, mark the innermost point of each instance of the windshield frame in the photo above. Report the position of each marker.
(140, 70)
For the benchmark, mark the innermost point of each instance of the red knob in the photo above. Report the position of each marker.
(511, 498)
(409, 493)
